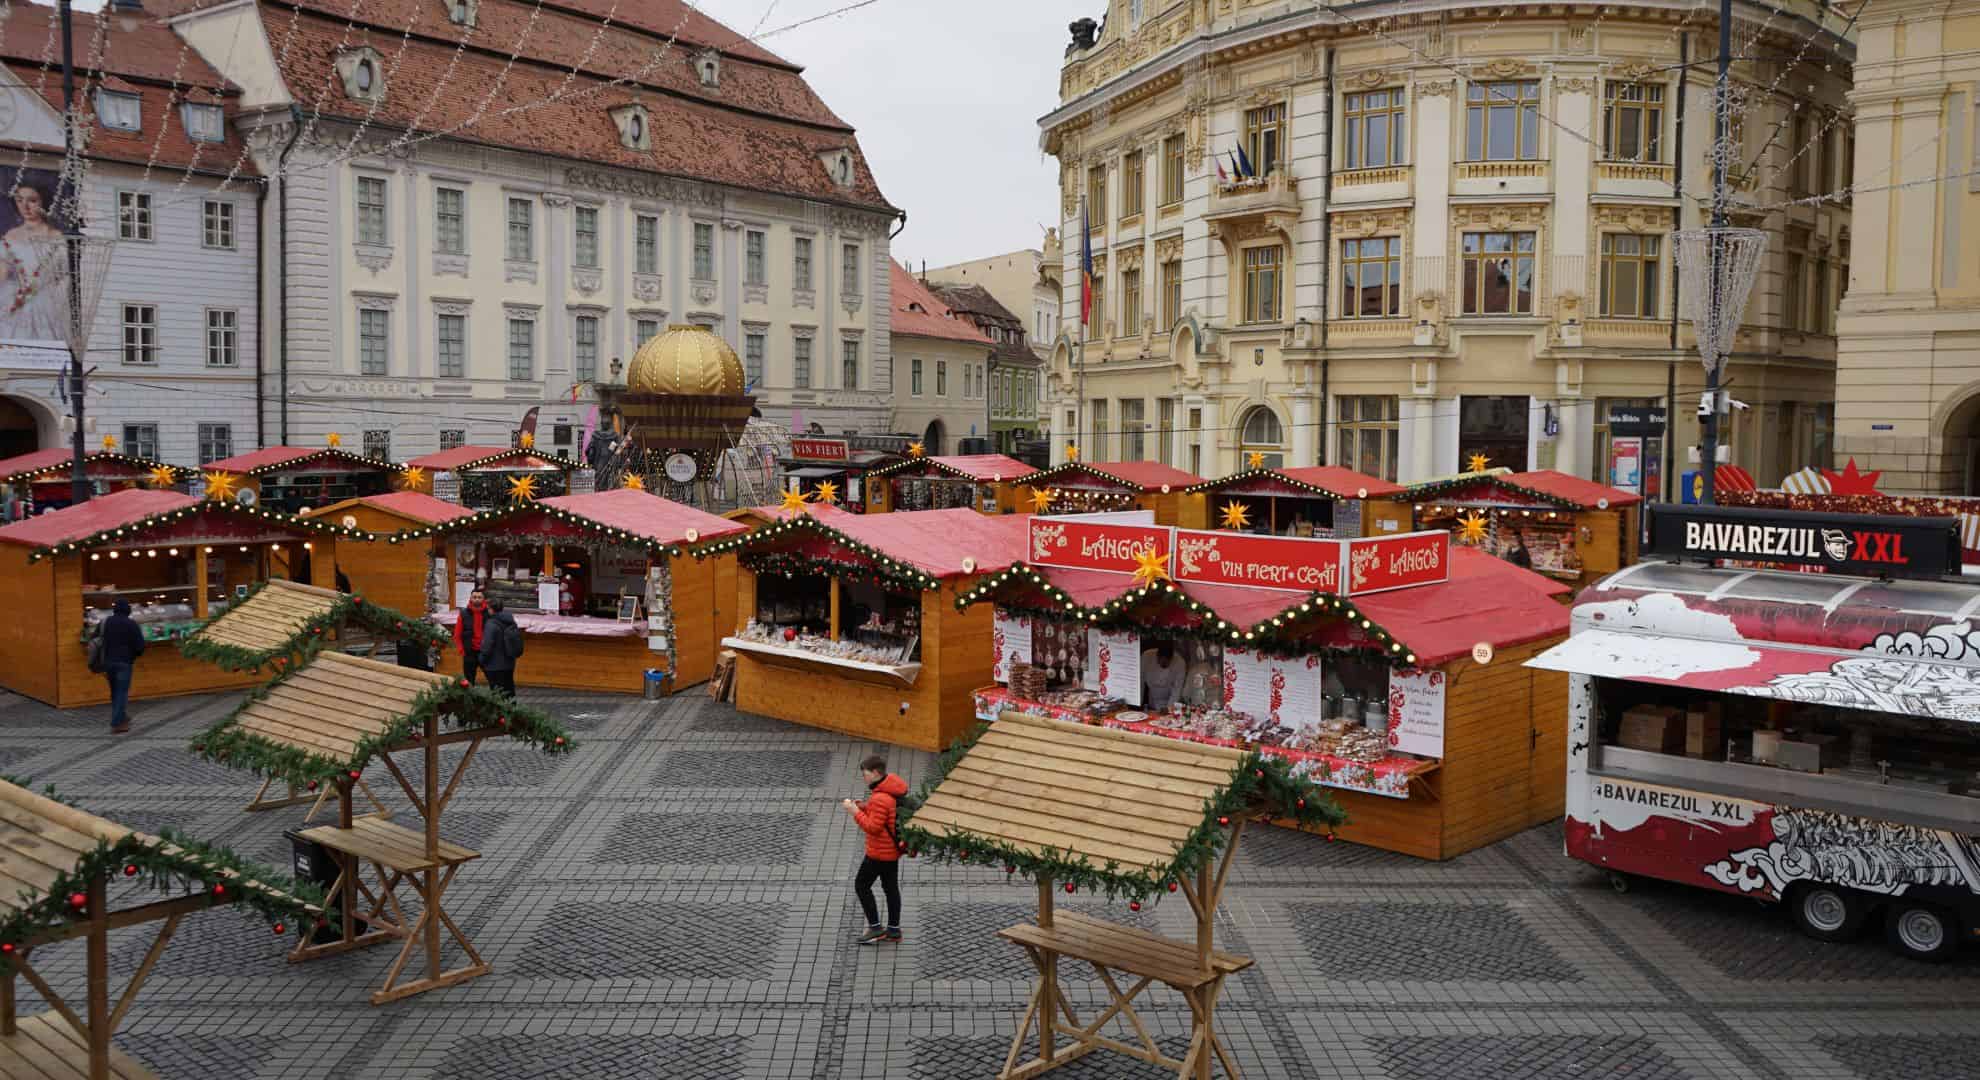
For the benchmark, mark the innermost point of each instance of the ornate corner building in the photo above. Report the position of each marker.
(1394, 239)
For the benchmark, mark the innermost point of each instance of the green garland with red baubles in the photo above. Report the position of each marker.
(348, 610)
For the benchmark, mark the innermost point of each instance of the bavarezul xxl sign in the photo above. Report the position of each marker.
(1861, 544)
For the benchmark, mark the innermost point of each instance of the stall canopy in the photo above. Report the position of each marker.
(1542, 488)
(296, 459)
(978, 468)
(55, 464)
(491, 459)
(1138, 477)
(138, 517)
(1311, 481)
(629, 517)
(411, 505)
(931, 544)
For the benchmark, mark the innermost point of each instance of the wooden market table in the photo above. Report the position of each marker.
(47, 849)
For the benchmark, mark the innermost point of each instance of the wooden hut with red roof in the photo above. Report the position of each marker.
(849, 621)
(1079, 487)
(40, 481)
(1570, 529)
(1304, 501)
(483, 477)
(601, 585)
(984, 482)
(399, 576)
(176, 558)
(295, 478)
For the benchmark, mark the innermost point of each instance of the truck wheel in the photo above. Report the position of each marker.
(1921, 931)
(1827, 912)
(1620, 882)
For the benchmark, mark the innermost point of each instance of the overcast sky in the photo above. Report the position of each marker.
(946, 97)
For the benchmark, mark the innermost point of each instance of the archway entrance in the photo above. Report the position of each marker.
(20, 430)
(931, 439)
(1961, 463)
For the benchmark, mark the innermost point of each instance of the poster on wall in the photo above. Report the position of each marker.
(1296, 691)
(1247, 682)
(1626, 464)
(1416, 712)
(1113, 664)
(34, 298)
(1010, 638)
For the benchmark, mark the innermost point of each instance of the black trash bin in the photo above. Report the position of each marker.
(315, 863)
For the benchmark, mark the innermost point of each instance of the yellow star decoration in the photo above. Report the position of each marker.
(1236, 516)
(1150, 568)
(635, 482)
(1475, 463)
(1471, 528)
(827, 491)
(413, 478)
(219, 485)
(1255, 459)
(163, 477)
(915, 449)
(334, 439)
(109, 442)
(1041, 499)
(527, 440)
(794, 501)
(1072, 451)
(522, 487)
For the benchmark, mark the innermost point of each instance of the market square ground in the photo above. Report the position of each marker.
(672, 901)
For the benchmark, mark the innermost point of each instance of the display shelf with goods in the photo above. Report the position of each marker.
(1805, 738)
(1082, 487)
(1319, 501)
(177, 559)
(983, 482)
(848, 621)
(34, 483)
(294, 479)
(1562, 526)
(488, 477)
(1377, 667)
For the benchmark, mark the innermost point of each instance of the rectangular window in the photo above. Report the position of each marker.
(378, 444)
(1498, 273)
(1096, 196)
(1265, 137)
(1823, 311)
(801, 363)
(1802, 161)
(453, 346)
(1502, 122)
(141, 440)
(1374, 129)
(585, 219)
(223, 331)
(118, 110)
(647, 330)
(1134, 431)
(522, 350)
(914, 376)
(1794, 283)
(704, 251)
(371, 210)
(522, 225)
(1097, 327)
(1171, 293)
(1632, 121)
(1099, 431)
(941, 378)
(452, 437)
(449, 221)
(753, 271)
(1630, 275)
(1165, 423)
(216, 441)
(140, 334)
(1133, 176)
(204, 123)
(374, 342)
(1371, 278)
(849, 269)
(849, 365)
(1130, 302)
(801, 263)
(216, 219)
(1370, 435)
(1261, 284)
(752, 360)
(133, 215)
(1172, 170)
(646, 244)
(584, 356)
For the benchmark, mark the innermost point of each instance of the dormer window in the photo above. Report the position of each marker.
(708, 68)
(635, 126)
(461, 12)
(838, 165)
(205, 123)
(363, 73)
(118, 110)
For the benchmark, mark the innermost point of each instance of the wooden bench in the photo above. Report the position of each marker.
(47, 1047)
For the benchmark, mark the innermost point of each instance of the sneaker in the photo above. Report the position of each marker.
(120, 729)
(873, 936)
(891, 937)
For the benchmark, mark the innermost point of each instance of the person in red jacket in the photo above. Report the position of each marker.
(875, 818)
(467, 632)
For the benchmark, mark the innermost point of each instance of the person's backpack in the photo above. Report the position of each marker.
(96, 664)
(903, 803)
(512, 640)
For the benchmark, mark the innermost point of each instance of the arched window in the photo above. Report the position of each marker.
(1261, 432)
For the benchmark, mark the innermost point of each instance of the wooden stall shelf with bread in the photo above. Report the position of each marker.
(983, 482)
(1569, 529)
(1324, 501)
(1087, 487)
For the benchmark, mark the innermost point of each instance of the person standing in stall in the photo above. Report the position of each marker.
(469, 631)
(1162, 674)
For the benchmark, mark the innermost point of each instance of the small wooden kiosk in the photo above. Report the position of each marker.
(39, 481)
(320, 723)
(1129, 815)
(1572, 530)
(485, 477)
(177, 560)
(1079, 487)
(1323, 501)
(821, 459)
(405, 577)
(849, 621)
(984, 482)
(295, 478)
(600, 584)
(56, 862)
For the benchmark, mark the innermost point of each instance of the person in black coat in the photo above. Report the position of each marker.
(123, 643)
(501, 647)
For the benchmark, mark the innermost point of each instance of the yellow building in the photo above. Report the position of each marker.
(1908, 360)
(1453, 238)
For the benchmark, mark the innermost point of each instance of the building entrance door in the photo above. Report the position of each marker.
(1494, 426)
(20, 433)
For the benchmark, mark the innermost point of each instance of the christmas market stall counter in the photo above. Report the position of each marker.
(296, 478)
(1081, 487)
(985, 482)
(1385, 668)
(485, 477)
(32, 483)
(404, 577)
(57, 863)
(1323, 501)
(600, 585)
(176, 558)
(1568, 528)
(849, 622)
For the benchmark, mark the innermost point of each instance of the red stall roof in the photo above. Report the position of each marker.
(54, 463)
(1545, 485)
(281, 458)
(411, 505)
(982, 468)
(112, 511)
(821, 511)
(1140, 476)
(934, 542)
(486, 457)
(645, 514)
(1327, 480)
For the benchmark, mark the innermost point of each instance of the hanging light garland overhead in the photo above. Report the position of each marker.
(129, 533)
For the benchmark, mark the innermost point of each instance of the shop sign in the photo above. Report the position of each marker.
(1637, 420)
(1095, 546)
(1866, 545)
(1010, 639)
(1380, 563)
(1268, 562)
(1416, 712)
(1113, 664)
(681, 468)
(821, 449)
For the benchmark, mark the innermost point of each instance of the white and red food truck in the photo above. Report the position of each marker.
(1806, 733)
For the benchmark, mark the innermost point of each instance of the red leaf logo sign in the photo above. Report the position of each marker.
(1230, 683)
(1436, 679)
(1106, 661)
(1396, 698)
(1312, 662)
(1278, 693)
(997, 646)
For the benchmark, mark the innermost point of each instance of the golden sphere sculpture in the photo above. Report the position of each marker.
(686, 360)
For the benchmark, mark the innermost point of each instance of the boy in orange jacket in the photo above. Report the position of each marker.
(875, 818)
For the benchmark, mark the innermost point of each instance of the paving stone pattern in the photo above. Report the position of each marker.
(726, 950)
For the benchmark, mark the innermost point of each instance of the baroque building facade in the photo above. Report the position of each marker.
(1453, 238)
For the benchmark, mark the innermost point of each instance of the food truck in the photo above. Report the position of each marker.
(1801, 726)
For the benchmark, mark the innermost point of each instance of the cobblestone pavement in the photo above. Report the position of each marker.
(672, 901)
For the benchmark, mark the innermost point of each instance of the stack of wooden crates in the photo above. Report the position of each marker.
(1695, 730)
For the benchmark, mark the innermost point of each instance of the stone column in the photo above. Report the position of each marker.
(553, 327)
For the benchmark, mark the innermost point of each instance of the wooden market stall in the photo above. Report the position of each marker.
(295, 478)
(600, 585)
(56, 863)
(32, 483)
(484, 477)
(849, 622)
(1387, 668)
(405, 577)
(1571, 529)
(1079, 487)
(176, 558)
(1323, 501)
(1131, 816)
(817, 460)
(321, 723)
(984, 482)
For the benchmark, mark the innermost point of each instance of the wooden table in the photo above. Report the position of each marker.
(400, 856)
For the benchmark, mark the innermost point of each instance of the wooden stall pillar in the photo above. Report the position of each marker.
(835, 607)
(98, 948)
(549, 559)
(199, 582)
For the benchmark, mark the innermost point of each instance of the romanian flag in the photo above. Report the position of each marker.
(1085, 267)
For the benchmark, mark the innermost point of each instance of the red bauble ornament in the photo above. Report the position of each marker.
(78, 901)
(1134, 905)
(354, 774)
(312, 785)
(1010, 869)
(1260, 773)
(1172, 886)
(130, 870)
(1330, 838)
(1223, 821)
(219, 889)
(464, 684)
(1301, 804)
(1069, 886)
(278, 928)
(7, 948)
(790, 633)
(559, 740)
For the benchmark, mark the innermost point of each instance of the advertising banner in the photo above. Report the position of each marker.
(1010, 636)
(1380, 563)
(1113, 664)
(1094, 546)
(1267, 562)
(1416, 712)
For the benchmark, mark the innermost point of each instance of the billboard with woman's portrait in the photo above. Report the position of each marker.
(34, 300)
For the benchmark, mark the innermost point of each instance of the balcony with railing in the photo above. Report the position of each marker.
(1254, 197)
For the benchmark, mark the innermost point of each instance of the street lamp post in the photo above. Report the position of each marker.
(66, 199)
